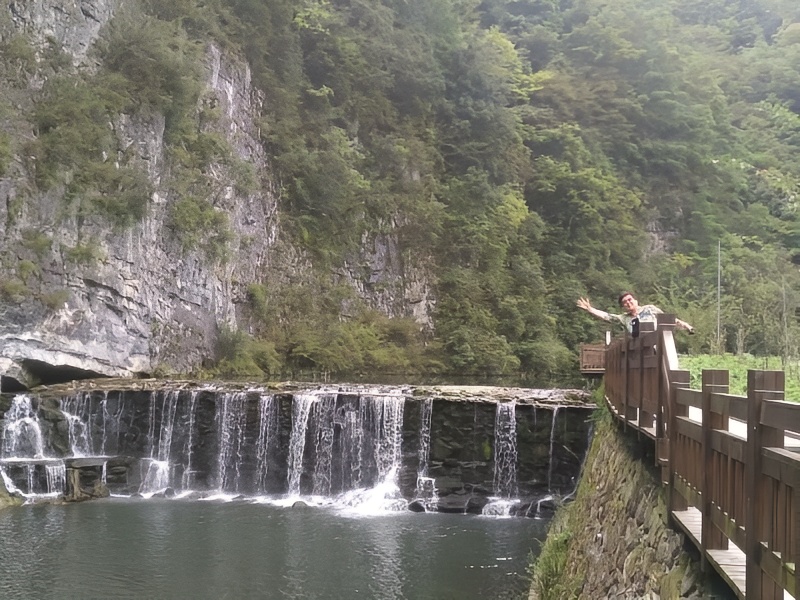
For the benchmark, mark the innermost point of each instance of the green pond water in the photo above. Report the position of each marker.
(156, 548)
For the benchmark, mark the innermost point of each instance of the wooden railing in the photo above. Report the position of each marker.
(730, 463)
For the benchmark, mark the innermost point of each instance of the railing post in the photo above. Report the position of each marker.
(641, 416)
(612, 375)
(711, 537)
(662, 416)
(675, 501)
(624, 410)
(761, 385)
(795, 533)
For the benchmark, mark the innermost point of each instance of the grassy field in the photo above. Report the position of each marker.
(738, 367)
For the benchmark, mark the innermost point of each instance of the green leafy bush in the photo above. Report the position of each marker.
(26, 269)
(6, 155)
(14, 290)
(36, 241)
(199, 226)
(19, 58)
(159, 66)
(737, 367)
(121, 194)
(72, 120)
(241, 356)
(548, 571)
(55, 300)
(84, 253)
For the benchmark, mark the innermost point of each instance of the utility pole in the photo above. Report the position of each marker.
(719, 286)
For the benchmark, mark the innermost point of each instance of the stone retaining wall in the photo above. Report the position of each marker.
(613, 541)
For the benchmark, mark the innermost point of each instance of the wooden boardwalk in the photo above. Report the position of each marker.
(730, 463)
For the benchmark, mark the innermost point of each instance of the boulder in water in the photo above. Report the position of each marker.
(475, 504)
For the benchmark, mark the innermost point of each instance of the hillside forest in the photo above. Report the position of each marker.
(524, 152)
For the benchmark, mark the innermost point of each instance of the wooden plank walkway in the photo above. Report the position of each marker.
(731, 564)
(730, 463)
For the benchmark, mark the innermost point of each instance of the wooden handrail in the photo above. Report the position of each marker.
(730, 464)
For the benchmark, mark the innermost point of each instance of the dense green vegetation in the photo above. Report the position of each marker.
(529, 151)
(737, 367)
(535, 146)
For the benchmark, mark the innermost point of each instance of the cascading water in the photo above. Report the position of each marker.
(380, 419)
(345, 447)
(267, 438)
(351, 422)
(24, 466)
(505, 451)
(426, 486)
(301, 409)
(163, 407)
(323, 447)
(77, 411)
(56, 477)
(552, 444)
(188, 472)
(505, 461)
(387, 433)
(231, 426)
(367, 451)
(22, 433)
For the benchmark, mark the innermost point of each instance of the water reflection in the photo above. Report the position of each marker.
(174, 549)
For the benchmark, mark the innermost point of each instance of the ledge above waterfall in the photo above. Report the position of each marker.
(453, 393)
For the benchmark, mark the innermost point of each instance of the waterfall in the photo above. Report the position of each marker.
(368, 452)
(387, 433)
(267, 434)
(11, 488)
(186, 477)
(22, 433)
(231, 427)
(104, 417)
(342, 446)
(351, 421)
(113, 412)
(552, 444)
(380, 421)
(426, 413)
(25, 468)
(301, 409)
(505, 450)
(161, 418)
(426, 486)
(77, 410)
(169, 408)
(56, 475)
(323, 448)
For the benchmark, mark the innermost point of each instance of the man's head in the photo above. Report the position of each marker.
(629, 303)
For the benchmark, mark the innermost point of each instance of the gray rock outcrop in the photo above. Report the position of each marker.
(144, 303)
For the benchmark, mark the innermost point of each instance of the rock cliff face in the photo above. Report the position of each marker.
(72, 25)
(144, 302)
